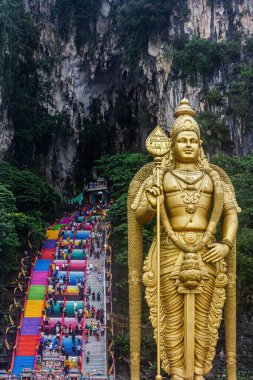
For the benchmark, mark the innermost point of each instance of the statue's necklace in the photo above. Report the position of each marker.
(188, 177)
(191, 198)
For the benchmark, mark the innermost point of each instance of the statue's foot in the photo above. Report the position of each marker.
(199, 377)
(175, 377)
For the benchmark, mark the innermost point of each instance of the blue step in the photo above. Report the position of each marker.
(68, 343)
(68, 233)
(82, 235)
(21, 362)
(42, 265)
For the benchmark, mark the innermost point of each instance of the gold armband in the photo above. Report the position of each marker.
(227, 242)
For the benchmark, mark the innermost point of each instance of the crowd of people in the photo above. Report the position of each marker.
(88, 321)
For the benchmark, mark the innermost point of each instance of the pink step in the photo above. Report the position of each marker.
(39, 278)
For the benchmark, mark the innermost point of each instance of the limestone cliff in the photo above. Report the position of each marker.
(112, 105)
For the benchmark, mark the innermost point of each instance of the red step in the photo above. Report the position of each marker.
(27, 345)
(47, 253)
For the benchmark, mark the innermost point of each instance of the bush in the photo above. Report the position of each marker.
(138, 20)
(201, 56)
(214, 133)
(83, 15)
(213, 97)
(26, 200)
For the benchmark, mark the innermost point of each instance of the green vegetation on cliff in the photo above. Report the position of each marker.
(26, 201)
(202, 56)
(139, 20)
(81, 14)
(26, 87)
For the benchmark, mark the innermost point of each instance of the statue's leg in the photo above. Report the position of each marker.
(202, 334)
(173, 306)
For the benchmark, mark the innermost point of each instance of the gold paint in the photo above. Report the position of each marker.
(186, 269)
(158, 145)
(134, 278)
(134, 358)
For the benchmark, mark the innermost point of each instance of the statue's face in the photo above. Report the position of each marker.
(186, 147)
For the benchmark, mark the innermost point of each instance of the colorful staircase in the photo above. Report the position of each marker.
(27, 340)
(29, 334)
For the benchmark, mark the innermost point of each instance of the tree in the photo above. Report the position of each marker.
(7, 199)
(26, 201)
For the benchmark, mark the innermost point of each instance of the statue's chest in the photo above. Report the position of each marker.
(188, 194)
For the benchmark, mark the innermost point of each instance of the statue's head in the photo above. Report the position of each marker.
(184, 120)
(185, 137)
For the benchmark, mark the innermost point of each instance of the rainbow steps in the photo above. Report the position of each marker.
(29, 332)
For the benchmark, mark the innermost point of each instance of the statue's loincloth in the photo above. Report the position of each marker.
(172, 257)
(172, 300)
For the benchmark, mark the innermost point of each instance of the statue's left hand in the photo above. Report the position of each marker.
(216, 252)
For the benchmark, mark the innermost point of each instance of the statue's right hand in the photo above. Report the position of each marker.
(152, 195)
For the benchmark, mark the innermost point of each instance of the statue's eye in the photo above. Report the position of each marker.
(194, 141)
(183, 140)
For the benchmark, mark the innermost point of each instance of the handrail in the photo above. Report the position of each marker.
(85, 300)
(111, 352)
(84, 313)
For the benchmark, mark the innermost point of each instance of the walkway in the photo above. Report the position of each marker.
(96, 281)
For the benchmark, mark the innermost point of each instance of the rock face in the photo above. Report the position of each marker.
(130, 102)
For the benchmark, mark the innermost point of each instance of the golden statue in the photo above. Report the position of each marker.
(190, 274)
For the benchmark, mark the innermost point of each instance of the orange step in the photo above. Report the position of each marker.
(27, 345)
(52, 234)
(34, 308)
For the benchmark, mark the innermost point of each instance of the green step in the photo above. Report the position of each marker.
(37, 292)
(70, 308)
(77, 254)
(57, 310)
(57, 226)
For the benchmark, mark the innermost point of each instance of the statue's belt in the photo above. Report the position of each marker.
(172, 257)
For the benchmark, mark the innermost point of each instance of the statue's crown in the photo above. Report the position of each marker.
(184, 120)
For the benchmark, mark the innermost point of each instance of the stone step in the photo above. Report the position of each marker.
(96, 348)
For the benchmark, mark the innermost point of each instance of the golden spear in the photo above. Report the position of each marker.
(158, 145)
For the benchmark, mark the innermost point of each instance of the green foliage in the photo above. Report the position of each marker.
(83, 15)
(9, 243)
(214, 133)
(213, 97)
(221, 374)
(248, 48)
(27, 226)
(26, 86)
(7, 199)
(240, 171)
(240, 93)
(121, 346)
(138, 20)
(201, 56)
(32, 193)
(121, 169)
(26, 200)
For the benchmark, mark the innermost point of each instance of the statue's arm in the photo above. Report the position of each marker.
(230, 221)
(229, 227)
(218, 251)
